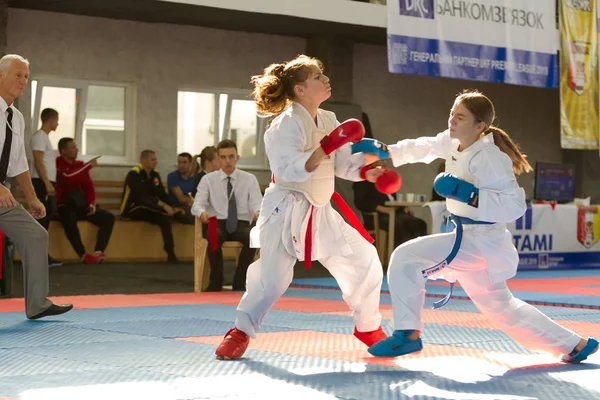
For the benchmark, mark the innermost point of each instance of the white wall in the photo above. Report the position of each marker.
(158, 58)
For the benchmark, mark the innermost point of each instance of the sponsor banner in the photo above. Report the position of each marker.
(510, 41)
(579, 95)
(546, 236)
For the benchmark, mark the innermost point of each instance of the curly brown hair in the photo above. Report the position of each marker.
(274, 89)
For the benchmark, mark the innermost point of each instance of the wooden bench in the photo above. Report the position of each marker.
(147, 243)
(131, 241)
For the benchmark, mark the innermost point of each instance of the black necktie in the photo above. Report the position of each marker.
(5, 158)
(232, 220)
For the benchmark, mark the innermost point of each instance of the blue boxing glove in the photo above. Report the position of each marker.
(371, 146)
(452, 187)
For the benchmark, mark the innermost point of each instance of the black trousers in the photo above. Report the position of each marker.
(160, 219)
(104, 220)
(48, 201)
(242, 235)
(185, 218)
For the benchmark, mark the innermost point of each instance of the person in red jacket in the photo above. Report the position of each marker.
(76, 198)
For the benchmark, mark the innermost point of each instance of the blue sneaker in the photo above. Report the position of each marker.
(52, 262)
(575, 358)
(396, 345)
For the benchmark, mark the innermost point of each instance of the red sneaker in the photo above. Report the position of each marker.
(233, 346)
(100, 255)
(91, 259)
(370, 338)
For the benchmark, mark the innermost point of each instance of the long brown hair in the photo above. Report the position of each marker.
(207, 154)
(274, 89)
(483, 110)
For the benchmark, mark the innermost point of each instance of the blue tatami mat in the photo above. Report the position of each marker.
(440, 289)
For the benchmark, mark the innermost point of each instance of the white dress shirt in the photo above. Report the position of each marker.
(18, 159)
(212, 195)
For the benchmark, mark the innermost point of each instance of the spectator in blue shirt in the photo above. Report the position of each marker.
(180, 183)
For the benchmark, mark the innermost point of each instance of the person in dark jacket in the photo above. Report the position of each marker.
(145, 199)
(368, 199)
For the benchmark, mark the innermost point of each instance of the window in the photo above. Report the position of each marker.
(207, 117)
(97, 115)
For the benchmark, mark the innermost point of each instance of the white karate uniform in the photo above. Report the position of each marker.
(281, 228)
(487, 256)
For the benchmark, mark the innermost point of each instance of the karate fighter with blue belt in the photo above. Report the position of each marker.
(483, 195)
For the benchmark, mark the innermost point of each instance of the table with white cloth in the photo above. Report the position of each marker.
(547, 235)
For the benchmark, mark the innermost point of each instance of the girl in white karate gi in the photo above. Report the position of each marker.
(482, 192)
(305, 158)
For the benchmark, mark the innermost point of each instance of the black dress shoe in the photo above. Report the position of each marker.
(213, 289)
(239, 288)
(54, 309)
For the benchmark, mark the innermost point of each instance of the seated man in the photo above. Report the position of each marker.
(76, 199)
(180, 183)
(234, 197)
(368, 199)
(145, 199)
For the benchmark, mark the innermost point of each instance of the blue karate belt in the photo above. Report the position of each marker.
(454, 223)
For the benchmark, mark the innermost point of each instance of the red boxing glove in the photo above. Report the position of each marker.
(351, 130)
(389, 182)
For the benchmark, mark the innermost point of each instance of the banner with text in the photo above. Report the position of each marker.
(578, 74)
(546, 237)
(509, 41)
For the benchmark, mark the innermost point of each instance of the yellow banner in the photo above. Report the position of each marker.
(579, 95)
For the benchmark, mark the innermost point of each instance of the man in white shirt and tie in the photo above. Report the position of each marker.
(234, 197)
(29, 237)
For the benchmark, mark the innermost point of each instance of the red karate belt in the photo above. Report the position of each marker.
(346, 212)
(213, 237)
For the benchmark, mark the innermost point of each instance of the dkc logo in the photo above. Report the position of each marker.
(417, 8)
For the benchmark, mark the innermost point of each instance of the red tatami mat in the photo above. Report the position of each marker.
(141, 300)
(133, 300)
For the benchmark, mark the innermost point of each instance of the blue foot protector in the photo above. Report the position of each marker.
(575, 358)
(396, 345)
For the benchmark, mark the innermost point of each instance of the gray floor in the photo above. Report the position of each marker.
(132, 278)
